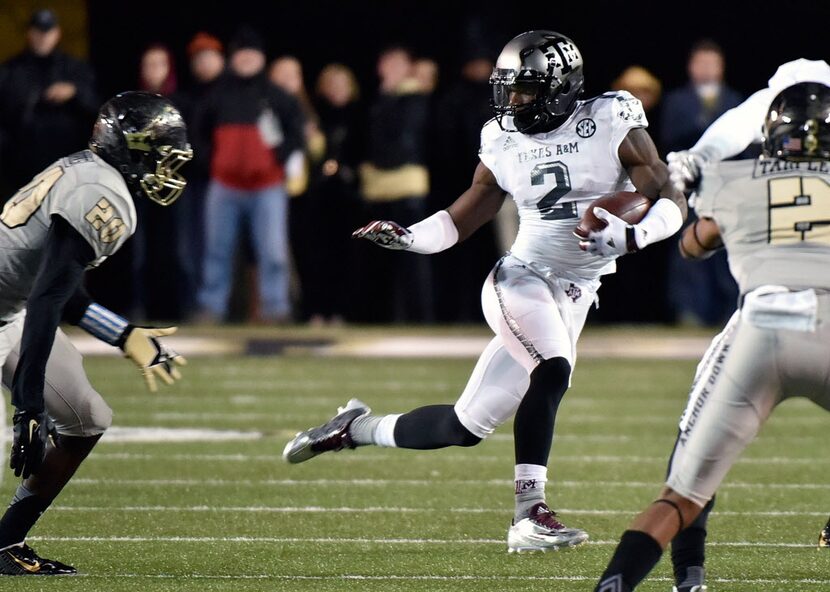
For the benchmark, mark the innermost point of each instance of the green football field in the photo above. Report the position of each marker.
(231, 515)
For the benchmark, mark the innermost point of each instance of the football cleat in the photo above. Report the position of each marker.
(21, 560)
(700, 588)
(824, 536)
(329, 437)
(541, 531)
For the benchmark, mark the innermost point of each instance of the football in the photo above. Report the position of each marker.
(628, 205)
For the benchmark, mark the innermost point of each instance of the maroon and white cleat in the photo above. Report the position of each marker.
(329, 437)
(541, 531)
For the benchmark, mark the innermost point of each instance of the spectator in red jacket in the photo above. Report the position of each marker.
(249, 127)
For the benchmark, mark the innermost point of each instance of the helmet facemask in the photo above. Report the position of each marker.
(166, 184)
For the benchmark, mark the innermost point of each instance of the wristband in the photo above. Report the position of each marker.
(663, 219)
(434, 234)
(103, 324)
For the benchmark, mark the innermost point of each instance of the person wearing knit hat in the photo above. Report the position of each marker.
(247, 128)
(206, 58)
(246, 37)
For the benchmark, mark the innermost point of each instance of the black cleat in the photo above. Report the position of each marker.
(23, 561)
(331, 436)
(824, 536)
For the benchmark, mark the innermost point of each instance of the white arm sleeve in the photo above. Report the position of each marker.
(663, 219)
(434, 234)
(736, 129)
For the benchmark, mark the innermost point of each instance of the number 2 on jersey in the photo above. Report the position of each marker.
(799, 210)
(26, 202)
(562, 185)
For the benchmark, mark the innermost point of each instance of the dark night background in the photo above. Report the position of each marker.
(756, 36)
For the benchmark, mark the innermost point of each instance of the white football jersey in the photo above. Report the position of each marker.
(83, 190)
(553, 178)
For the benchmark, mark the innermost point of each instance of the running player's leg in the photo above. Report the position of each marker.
(489, 399)
(688, 548)
(538, 322)
(80, 415)
(731, 400)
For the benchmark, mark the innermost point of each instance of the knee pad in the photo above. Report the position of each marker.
(89, 416)
(100, 417)
(553, 375)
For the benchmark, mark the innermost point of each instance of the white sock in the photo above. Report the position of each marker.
(530, 488)
(385, 431)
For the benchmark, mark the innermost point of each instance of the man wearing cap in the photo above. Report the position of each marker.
(248, 126)
(47, 102)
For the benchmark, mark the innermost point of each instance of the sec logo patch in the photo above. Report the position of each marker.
(585, 128)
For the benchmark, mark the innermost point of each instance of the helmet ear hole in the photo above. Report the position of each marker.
(566, 88)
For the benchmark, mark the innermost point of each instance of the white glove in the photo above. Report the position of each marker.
(385, 233)
(684, 169)
(617, 238)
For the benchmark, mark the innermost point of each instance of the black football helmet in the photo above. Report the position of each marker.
(547, 67)
(144, 136)
(797, 126)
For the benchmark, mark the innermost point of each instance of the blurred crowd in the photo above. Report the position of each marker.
(287, 164)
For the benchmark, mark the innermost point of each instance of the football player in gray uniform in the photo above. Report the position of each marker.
(773, 216)
(729, 135)
(71, 217)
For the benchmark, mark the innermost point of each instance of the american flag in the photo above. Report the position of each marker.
(792, 144)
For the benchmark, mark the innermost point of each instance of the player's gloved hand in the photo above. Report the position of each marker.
(153, 358)
(385, 233)
(617, 238)
(684, 169)
(31, 434)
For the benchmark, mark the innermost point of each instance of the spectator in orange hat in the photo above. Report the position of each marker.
(206, 59)
(207, 63)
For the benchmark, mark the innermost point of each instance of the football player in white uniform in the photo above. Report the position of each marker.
(554, 154)
(772, 216)
(72, 216)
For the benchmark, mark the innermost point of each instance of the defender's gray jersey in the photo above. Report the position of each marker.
(82, 189)
(774, 217)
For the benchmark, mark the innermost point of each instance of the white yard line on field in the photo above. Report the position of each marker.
(644, 345)
(587, 458)
(422, 482)
(394, 510)
(355, 540)
(428, 577)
